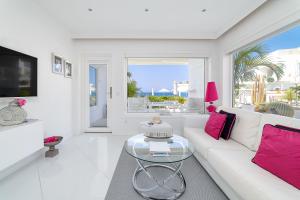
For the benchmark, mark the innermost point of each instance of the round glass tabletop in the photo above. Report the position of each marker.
(169, 150)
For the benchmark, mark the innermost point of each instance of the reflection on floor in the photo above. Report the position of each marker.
(82, 171)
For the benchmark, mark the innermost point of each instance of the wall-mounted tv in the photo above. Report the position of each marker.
(18, 74)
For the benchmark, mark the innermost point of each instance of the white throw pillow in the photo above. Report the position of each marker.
(246, 126)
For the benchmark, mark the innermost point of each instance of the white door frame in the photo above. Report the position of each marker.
(86, 88)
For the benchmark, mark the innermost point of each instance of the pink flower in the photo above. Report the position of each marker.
(51, 139)
(21, 102)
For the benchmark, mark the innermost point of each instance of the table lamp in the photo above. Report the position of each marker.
(211, 96)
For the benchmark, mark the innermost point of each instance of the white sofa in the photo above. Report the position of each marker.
(229, 162)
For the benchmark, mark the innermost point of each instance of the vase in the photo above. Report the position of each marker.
(12, 114)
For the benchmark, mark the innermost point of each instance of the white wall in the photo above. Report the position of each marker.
(196, 86)
(117, 50)
(274, 16)
(25, 27)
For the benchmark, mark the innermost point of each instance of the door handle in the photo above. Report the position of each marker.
(110, 92)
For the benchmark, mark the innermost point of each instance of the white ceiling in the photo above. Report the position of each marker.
(180, 19)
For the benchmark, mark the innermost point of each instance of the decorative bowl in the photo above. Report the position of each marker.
(52, 151)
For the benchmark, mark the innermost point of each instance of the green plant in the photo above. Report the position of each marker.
(290, 95)
(132, 88)
(280, 108)
(179, 99)
(270, 79)
(297, 91)
(155, 99)
(247, 62)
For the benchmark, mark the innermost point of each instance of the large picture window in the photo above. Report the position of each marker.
(266, 76)
(165, 85)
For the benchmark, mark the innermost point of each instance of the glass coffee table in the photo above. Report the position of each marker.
(158, 174)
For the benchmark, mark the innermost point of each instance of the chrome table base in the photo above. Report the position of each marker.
(160, 190)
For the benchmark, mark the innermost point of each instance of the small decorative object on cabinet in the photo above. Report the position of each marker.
(51, 142)
(13, 113)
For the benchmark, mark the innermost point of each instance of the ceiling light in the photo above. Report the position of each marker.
(90, 9)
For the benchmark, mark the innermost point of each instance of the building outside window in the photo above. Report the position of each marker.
(267, 75)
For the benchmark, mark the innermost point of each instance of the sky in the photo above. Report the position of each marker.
(286, 40)
(92, 75)
(160, 76)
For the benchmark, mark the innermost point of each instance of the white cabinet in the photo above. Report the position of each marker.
(20, 141)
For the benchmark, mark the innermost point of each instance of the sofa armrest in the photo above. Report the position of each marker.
(195, 121)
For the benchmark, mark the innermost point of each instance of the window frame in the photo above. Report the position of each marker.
(256, 39)
(172, 114)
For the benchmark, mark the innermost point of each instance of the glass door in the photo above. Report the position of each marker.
(99, 96)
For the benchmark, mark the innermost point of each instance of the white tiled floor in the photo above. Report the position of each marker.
(82, 171)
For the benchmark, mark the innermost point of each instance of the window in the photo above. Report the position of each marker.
(165, 85)
(267, 75)
(93, 85)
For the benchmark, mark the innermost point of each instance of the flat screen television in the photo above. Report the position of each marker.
(18, 74)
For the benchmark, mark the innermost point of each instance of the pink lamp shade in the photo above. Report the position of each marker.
(211, 92)
(211, 95)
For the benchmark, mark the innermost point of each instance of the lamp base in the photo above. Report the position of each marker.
(211, 108)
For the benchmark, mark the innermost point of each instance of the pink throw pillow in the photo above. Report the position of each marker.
(215, 124)
(279, 153)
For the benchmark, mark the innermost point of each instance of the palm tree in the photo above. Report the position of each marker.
(129, 75)
(132, 88)
(290, 95)
(251, 60)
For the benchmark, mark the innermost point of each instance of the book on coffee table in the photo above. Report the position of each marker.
(159, 147)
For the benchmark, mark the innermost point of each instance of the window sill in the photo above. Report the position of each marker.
(169, 115)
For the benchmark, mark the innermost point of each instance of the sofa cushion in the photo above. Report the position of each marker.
(230, 121)
(202, 142)
(279, 153)
(215, 124)
(274, 120)
(246, 126)
(247, 179)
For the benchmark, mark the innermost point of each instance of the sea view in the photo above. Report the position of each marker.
(144, 94)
